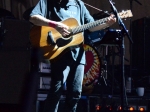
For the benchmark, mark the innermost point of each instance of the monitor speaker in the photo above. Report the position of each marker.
(14, 60)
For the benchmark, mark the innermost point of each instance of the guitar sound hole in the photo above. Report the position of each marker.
(61, 42)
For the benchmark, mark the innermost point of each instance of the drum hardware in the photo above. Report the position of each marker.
(104, 75)
(110, 39)
(108, 44)
(108, 51)
(104, 70)
(108, 62)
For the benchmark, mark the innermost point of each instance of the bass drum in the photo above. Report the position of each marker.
(92, 69)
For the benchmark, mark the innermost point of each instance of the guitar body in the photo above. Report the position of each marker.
(39, 37)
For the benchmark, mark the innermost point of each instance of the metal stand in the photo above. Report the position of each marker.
(109, 51)
(109, 41)
(104, 71)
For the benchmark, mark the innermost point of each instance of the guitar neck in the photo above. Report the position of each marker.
(84, 27)
(78, 29)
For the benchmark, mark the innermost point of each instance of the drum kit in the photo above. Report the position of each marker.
(98, 51)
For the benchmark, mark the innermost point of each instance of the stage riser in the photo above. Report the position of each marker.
(89, 104)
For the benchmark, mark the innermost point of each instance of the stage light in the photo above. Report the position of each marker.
(109, 107)
(98, 107)
(119, 108)
(131, 108)
(142, 108)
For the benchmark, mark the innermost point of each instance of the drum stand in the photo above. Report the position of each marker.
(107, 53)
(104, 70)
(110, 39)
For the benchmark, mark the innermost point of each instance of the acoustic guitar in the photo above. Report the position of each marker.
(52, 44)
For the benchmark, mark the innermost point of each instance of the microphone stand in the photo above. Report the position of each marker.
(123, 33)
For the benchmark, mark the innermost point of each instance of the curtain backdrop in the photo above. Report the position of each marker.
(17, 7)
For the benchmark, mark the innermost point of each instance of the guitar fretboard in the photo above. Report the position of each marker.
(81, 28)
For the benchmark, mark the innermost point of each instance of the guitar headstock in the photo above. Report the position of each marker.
(125, 14)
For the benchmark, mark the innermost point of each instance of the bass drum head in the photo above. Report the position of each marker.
(92, 69)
